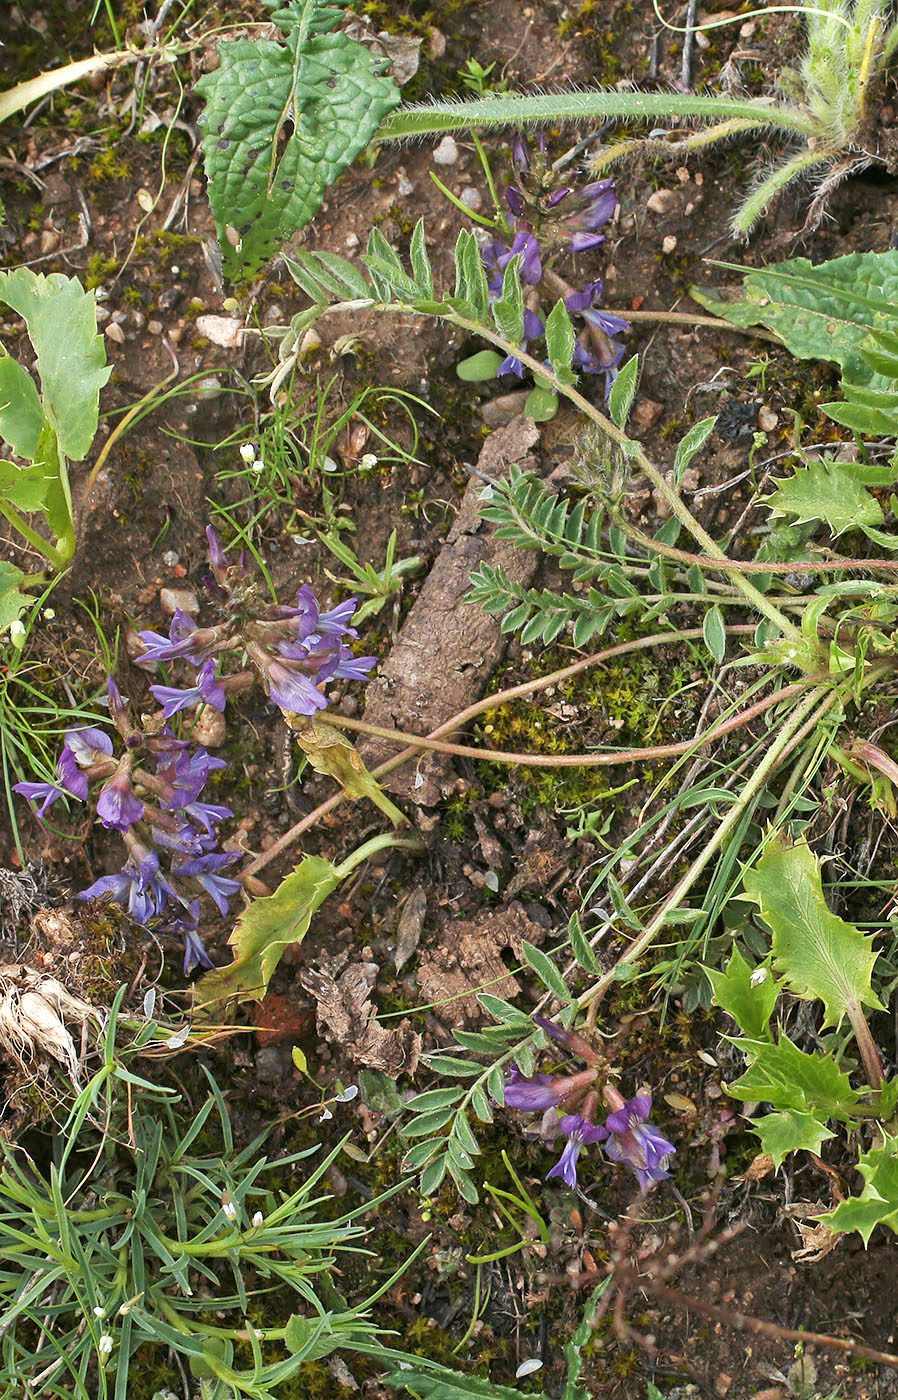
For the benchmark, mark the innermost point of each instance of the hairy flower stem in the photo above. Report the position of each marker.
(515, 692)
(574, 760)
(512, 109)
(811, 709)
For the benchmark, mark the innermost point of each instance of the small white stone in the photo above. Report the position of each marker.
(660, 202)
(405, 187)
(310, 342)
(472, 199)
(115, 332)
(669, 244)
(210, 729)
(351, 241)
(446, 152)
(173, 599)
(767, 419)
(221, 330)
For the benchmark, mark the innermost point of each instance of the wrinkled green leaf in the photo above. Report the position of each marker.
(878, 1202)
(835, 492)
(435, 1382)
(21, 415)
(818, 954)
(281, 121)
(750, 1005)
(789, 1131)
(822, 312)
(262, 932)
(71, 358)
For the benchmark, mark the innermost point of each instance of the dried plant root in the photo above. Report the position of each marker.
(34, 1008)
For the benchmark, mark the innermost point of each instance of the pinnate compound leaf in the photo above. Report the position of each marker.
(789, 1131)
(878, 1202)
(819, 954)
(280, 123)
(264, 929)
(788, 1078)
(71, 358)
(750, 1005)
(835, 492)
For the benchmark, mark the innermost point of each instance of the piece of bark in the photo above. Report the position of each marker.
(346, 1015)
(447, 648)
(468, 960)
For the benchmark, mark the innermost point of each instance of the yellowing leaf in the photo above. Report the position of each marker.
(263, 931)
(330, 752)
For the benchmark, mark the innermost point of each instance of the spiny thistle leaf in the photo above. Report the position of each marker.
(878, 1202)
(835, 492)
(820, 955)
(281, 121)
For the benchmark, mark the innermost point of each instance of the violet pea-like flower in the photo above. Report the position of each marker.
(638, 1143)
(532, 1093)
(117, 806)
(44, 793)
(205, 870)
(579, 1132)
(140, 888)
(195, 954)
(206, 691)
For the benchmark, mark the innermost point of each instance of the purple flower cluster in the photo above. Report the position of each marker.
(627, 1135)
(548, 221)
(151, 794)
(294, 650)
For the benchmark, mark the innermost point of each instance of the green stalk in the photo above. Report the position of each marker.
(516, 109)
(55, 557)
(636, 454)
(822, 698)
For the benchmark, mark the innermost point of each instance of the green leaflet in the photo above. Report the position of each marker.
(819, 954)
(71, 359)
(262, 932)
(281, 121)
(835, 492)
(21, 415)
(878, 1202)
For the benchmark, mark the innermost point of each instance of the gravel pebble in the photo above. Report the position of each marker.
(174, 598)
(446, 152)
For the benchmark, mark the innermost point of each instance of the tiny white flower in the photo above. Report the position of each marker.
(258, 465)
(348, 1094)
(99, 1312)
(230, 1210)
(758, 976)
(325, 1115)
(49, 614)
(329, 465)
(248, 452)
(258, 1220)
(105, 1344)
(368, 462)
(17, 633)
